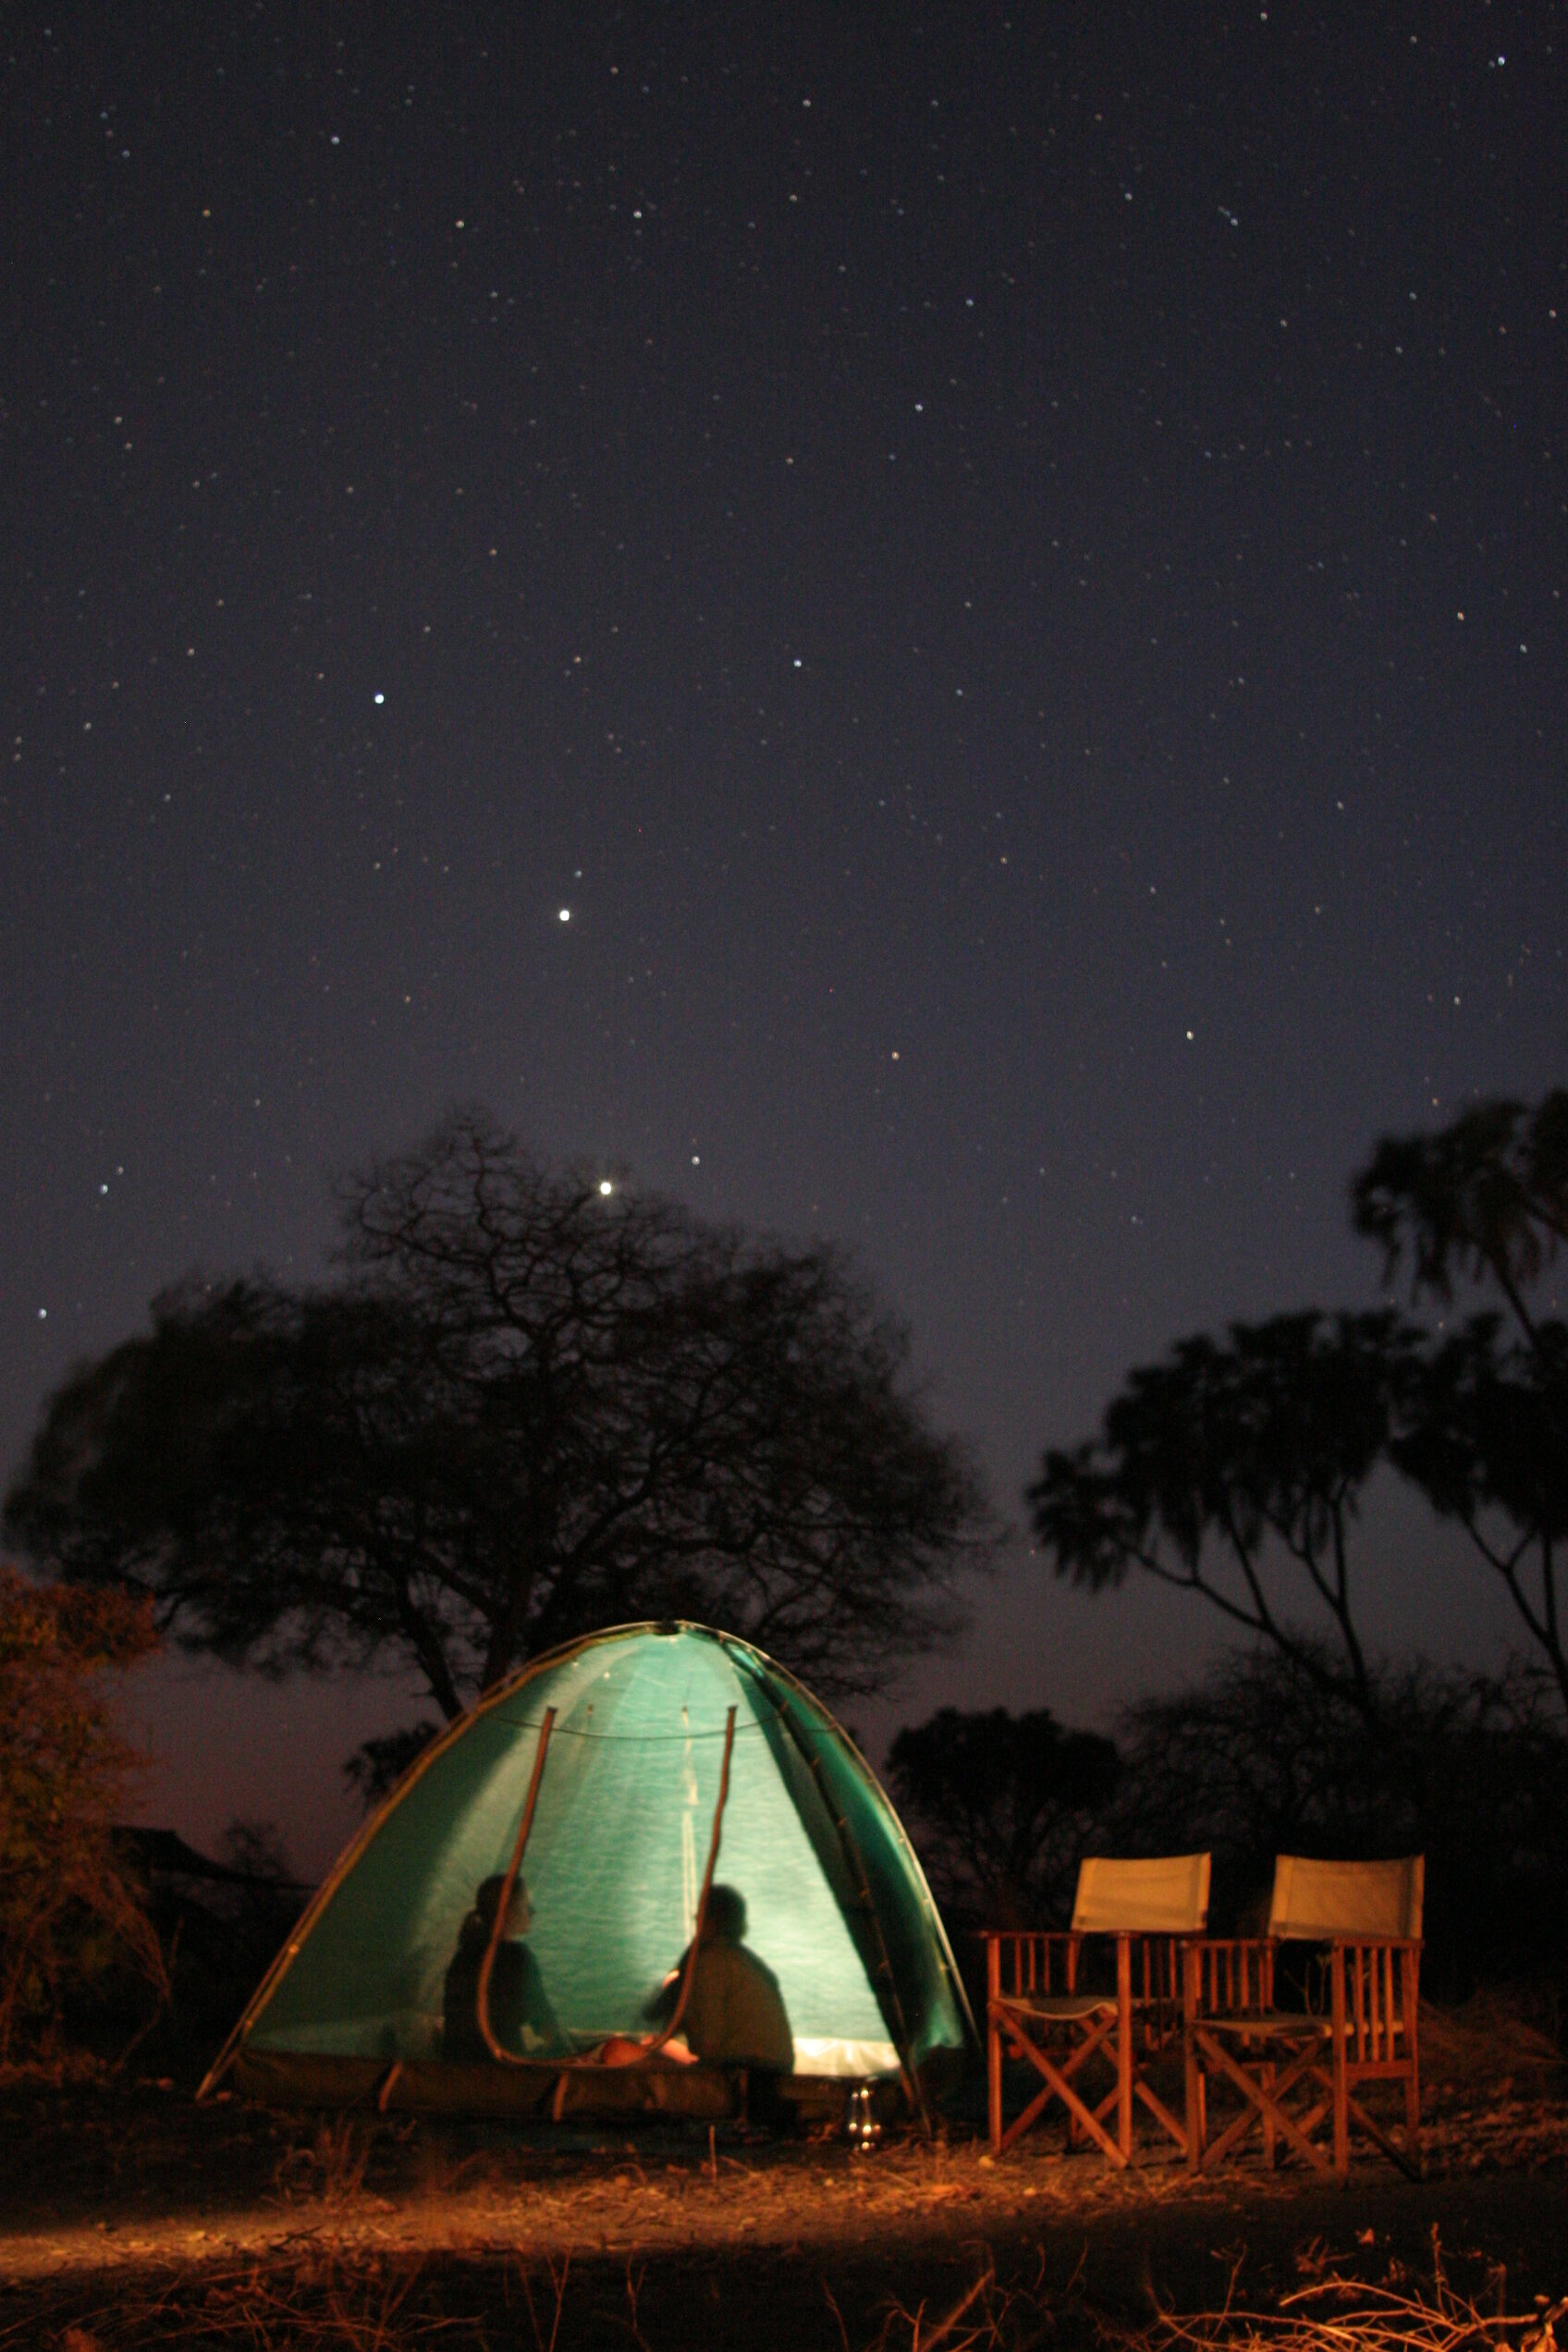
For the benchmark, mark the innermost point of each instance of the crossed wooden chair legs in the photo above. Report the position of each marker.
(1294, 2071)
(1266, 2087)
(1105, 2032)
(1039, 2009)
(1286, 2095)
(1036, 2035)
(1059, 2036)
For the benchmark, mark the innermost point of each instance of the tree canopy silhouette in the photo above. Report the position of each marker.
(1486, 1197)
(1001, 1804)
(1485, 1438)
(1484, 1434)
(1234, 1470)
(533, 1403)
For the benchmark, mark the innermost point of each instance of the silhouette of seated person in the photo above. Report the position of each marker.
(734, 2014)
(520, 2017)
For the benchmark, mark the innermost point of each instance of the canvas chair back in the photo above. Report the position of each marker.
(1315, 1900)
(1147, 1906)
(1165, 1897)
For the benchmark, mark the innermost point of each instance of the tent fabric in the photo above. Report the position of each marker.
(1165, 1895)
(1314, 1899)
(838, 1907)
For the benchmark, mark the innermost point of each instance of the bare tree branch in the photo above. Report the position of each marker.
(528, 1406)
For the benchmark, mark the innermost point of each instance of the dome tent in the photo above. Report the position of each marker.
(648, 1750)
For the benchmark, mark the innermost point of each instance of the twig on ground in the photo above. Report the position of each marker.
(1336, 2312)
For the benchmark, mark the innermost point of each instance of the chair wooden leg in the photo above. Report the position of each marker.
(1167, 2123)
(1407, 2162)
(1059, 2084)
(1259, 2102)
(1025, 2122)
(994, 2084)
(1409, 1980)
(1342, 2065)
(994, 2041)
(1124, 2046)
(1062, 2084)
(1193, 2108)
(1265, 2076)
(1194, 2102)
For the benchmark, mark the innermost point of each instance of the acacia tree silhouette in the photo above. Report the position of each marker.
(1236, 1461)
(1486, 1197)
(1234, 1470)
(1484, 1432)
(537, 1402)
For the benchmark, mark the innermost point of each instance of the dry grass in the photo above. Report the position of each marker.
(1335, 2311)
(138, 2221)
(322, 2299)
(335, 2306)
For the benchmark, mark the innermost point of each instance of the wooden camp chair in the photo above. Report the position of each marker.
(1037, 2009)
(1296, 2067)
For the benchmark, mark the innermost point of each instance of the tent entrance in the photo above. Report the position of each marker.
(628, 2052)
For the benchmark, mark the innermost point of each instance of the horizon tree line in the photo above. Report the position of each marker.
(531, 1402)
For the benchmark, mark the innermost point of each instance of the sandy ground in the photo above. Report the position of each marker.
(129, 2217)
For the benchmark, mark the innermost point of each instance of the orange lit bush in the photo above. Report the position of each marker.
(69, 1920)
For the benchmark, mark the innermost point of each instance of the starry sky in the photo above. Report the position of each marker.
(1004, 567)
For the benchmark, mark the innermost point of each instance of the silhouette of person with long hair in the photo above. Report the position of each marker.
(520, 2017)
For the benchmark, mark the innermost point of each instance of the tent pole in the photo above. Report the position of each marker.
(570, 2065)
(482, 1995)
(851, 1851)
(339, 1871)
(689, 1972)
(646, 2049)
(305, 1924)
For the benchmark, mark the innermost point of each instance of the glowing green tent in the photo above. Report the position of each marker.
(653, 1753)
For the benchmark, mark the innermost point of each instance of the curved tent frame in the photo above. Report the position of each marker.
(805, 1729)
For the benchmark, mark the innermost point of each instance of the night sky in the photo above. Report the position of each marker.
(1005, 570)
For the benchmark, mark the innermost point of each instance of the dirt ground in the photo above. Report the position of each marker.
(129, 2217)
